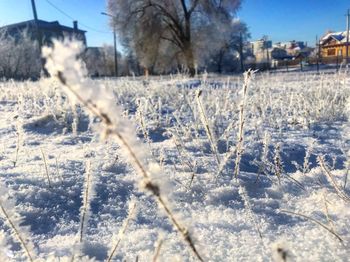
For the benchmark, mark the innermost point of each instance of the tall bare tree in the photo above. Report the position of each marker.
(228, 47)
(146, 25)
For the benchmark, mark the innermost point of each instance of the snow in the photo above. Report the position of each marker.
(289, 117)
(338, 36)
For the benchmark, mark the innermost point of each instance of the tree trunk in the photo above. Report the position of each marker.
(189, 57)
(188, 50)
(190, 63)
(219, 62)
(146, 72)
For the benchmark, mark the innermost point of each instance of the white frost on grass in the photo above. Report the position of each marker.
(63, 64)
(304, 112)
(20, 234)
(5, 253)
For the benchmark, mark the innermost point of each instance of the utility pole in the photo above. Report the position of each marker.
(115, 50)
(319, 51)
(241, 51)
(347, 35)
(35, 14)
(34, 11)
(38, 36)
(115, 43)
(317, 54)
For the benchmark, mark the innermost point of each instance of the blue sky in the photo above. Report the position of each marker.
(281, 20)
(284, 20)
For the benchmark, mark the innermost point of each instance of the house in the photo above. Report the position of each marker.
(280, 54)
(45, 30)
(333, 45)
(292, 48)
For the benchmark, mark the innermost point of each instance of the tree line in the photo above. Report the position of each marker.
(167, 35)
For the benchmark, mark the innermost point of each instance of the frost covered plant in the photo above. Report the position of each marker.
(265, 152)
(347, 165)
(326, 212)
(141, 120)
(244, 195)
(248, 76)
(230, 153)
(19, 233)
(277, 160)
(58, 173)
(341, 193)
(264, 163)
(306, 164)
(64, 65)
(121, 233)
(158, 248)
(207, 128)
(46, 167)
(315, 221)
(185, 158)
(75, 122)
(88, 193)
(20, 139)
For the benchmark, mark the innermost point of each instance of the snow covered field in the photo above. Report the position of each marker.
(67, 184)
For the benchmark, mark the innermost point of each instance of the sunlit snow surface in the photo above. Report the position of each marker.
(305, 114)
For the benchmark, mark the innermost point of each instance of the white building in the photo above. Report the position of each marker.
(262, 50)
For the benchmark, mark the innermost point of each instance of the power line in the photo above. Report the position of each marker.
(73, 19)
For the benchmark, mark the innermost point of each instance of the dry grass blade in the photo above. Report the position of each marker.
(295, 181)
(122, 232)
(326, 211)
(184, 232)
(227, 157)
(239, 150)
(17, 149)
(157, 252)
(185, 159)
(346, 178)
(149, 185)
(278, 163)
(85, 201)
(314, 221)
(249, 209)
(58, 173)
(205, 123)
(340, 193)
(16, 232)
(46, 168)
(247, 77)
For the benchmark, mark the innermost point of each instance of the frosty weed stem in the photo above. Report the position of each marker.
(152, 187)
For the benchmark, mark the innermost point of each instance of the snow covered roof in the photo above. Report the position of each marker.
(49, 30)
(54, 25)
(338, 36)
